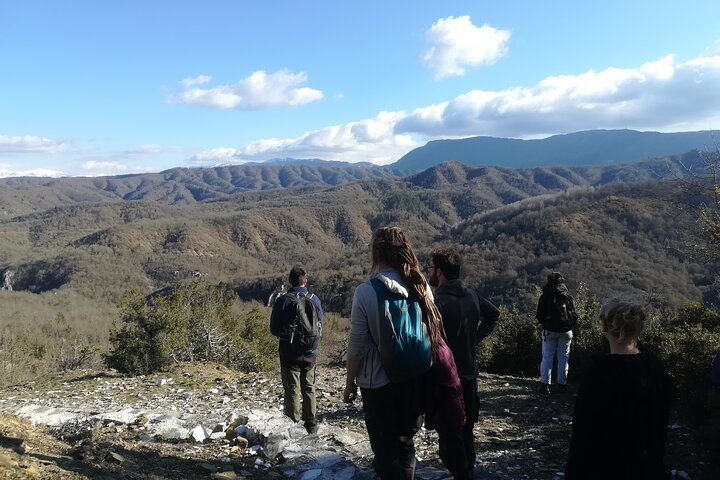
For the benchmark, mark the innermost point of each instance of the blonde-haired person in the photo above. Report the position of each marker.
(621, 412)
(393, 411)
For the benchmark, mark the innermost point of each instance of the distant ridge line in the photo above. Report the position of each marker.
(590, 147)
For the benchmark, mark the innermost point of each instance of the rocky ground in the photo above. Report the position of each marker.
(101, 425)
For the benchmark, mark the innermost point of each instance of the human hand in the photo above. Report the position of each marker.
(350, 393)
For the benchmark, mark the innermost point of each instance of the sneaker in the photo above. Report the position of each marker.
(561, 388)
(544, 389)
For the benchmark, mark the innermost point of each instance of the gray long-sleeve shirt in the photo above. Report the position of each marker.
(364, 322)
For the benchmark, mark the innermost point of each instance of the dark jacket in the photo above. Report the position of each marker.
(467, 318)
(556, 310)
(283, 313)
(620, 420)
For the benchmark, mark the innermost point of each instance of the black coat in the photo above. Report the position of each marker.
(467, 318)
(620, 420)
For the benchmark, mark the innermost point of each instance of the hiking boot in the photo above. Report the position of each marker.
(544, 389)
(561, 388)
(311, 428)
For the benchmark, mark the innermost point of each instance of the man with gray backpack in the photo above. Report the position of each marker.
(296, 320)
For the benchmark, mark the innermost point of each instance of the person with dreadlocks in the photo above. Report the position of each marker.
(394, 410)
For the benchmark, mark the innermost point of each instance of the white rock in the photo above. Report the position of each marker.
(46, 415)
(126, 416)
(199, 434)
(171, 428)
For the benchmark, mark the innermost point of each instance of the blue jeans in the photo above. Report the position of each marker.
(555, 343)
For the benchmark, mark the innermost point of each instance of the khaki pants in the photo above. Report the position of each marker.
(297, 381)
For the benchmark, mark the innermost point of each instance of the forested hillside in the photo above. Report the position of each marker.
(178, 186)
(512, 224)
(638, 238)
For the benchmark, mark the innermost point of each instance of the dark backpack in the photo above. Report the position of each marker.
(404, 344)
(563, 316)
(305, 328)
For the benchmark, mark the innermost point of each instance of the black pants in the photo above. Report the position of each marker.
(472, 411)
(457, 447)
(391, 421)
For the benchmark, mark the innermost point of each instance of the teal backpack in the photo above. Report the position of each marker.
(404, 344)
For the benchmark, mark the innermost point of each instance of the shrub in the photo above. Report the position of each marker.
(687, 346)
(184, 323)
(588, 338)
(334, 339)
(73, 351)
(513, 346)
(258, 348)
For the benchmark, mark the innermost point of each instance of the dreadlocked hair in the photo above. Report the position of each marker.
(390, 247)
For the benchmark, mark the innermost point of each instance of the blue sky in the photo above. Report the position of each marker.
(116, 87)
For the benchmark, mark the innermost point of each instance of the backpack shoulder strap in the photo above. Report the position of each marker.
(380, 295)
(377, 286)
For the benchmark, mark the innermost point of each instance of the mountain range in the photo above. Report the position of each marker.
(592, 147)
(245, 224)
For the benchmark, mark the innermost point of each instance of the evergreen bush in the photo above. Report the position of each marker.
(513, 348)
(258, 348)
(184, 323)
(687, 340)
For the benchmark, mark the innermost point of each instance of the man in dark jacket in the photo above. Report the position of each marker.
(296, 369)
(467, 318)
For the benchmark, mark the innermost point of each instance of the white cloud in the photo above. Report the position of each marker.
(369, 140)
(216, 155)
(191, 81)
(713, 49)
(258, 91)
(661, 95)
(94, 166)
(30, 144)
(455, 43)
(145, 150)
(108, 165)
(35, 172)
